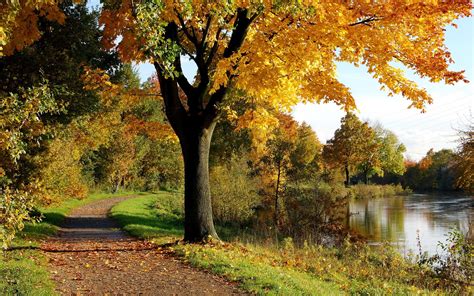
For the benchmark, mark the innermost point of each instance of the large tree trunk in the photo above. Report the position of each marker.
(198, 223)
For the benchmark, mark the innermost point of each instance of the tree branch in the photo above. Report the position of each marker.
(239, 33)
(171, 32)
(235, 43)
(175, 111)
(185, 29)
(213, 50)
(366, 21)
(205, 32)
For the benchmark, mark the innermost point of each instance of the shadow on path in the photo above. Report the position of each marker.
(92, 256)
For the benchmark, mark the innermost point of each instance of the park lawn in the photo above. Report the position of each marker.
(23, 268)
(272, 270)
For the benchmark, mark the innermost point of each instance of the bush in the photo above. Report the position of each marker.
(454, 266)
(312, 210)
(234, 193)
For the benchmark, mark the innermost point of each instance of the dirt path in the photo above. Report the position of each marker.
(91, 256)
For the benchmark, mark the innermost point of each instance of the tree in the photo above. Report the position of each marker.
(388, 158)
(19, 22)
(60, 56)
(370, 155)
(435, 171)
(353, 145)
(277, 52)
(464, 164)
(276, 162)
(306, 157)
(21, 129)
(390, 152)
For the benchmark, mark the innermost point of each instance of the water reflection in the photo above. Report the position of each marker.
(400, 219)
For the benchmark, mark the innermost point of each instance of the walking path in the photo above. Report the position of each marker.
(92, 256)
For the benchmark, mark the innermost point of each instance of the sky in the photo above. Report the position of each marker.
(437, 128)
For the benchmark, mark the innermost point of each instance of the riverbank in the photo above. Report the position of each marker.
(268, 268)
(363, 191)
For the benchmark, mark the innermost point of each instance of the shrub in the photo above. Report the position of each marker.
(234, 193)
(15, 206)
(312, 210)
(454, 266)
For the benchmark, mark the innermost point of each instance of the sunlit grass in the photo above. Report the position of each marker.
(141, 217)
(23, 272)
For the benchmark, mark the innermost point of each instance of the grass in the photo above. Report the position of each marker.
(141, 217)
(278, 270)
(23, 268)
(23, 272)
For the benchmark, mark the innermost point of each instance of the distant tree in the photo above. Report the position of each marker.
(353, 145)
(371, 162)
(441, 172)
(275, 163)
(390, 152)
(231, 140)
(127, 75)
(464, 164)
(435, 171)
(388, 160)
(306, 157)
(137, 135)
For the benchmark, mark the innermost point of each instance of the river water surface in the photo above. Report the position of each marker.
(400, 220)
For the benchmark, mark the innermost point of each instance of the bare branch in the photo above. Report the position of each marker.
(214, 48)
(242, 24)
(205, 32)
(185, 29)
(366, 21)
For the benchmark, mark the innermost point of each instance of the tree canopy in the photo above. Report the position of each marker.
(354, 144)
(282, 52)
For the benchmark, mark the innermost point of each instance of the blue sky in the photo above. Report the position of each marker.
(419, 132)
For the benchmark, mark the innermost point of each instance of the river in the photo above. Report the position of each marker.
(400, 220)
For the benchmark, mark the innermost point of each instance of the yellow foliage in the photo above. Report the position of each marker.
(290, 49)
(261, 124)
(18, 22)
(62, 172)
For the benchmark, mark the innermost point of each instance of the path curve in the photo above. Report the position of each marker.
(92, 256)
